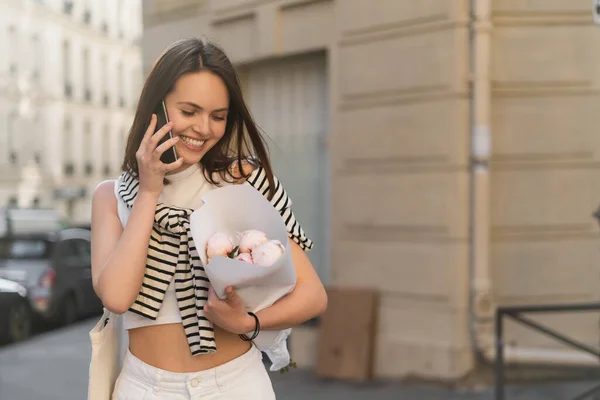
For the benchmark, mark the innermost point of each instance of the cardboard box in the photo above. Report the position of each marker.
(347, 334)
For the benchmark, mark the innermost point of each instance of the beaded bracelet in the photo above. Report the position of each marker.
(245, 337)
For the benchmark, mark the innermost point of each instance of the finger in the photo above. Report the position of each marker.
(209, 301)
(165, 146)
(233, 299)
(149, 131)
(159, 135)
(174, 165)
(231, 294)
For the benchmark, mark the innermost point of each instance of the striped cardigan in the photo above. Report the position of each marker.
(173, 255)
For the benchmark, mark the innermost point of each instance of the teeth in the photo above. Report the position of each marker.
(193, 142)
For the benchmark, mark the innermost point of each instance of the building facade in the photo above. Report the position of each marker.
(451, 158)
(69, 85)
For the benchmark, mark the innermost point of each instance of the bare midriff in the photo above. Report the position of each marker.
(166, 347)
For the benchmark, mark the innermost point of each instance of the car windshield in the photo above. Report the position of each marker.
(23, 248)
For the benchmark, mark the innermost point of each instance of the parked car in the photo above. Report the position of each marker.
(15, 312)
(55, 268)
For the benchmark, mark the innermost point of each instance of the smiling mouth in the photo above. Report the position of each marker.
(192, 142)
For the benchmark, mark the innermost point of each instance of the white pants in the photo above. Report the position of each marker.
(242, 378)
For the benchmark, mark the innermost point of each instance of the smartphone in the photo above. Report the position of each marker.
(170, 155)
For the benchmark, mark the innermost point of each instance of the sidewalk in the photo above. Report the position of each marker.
(301, 385)
(54, 366)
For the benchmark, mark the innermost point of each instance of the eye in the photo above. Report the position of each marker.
(219, 118)
(187, 113)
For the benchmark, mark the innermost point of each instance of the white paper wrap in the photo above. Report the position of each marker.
(232, 210)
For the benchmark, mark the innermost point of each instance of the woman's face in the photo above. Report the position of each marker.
(198, 108)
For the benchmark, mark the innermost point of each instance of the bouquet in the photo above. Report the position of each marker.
(254, 248)
(258, 265)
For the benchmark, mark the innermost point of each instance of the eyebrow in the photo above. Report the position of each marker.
(189, 103)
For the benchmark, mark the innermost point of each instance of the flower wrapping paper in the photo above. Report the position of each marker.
(232, 210)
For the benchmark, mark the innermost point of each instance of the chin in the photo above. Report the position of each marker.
(191, 160)
(190, 157)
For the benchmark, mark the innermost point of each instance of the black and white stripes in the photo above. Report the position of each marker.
(172, 256)
(283, 204)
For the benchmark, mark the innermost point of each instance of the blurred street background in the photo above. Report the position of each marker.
(53, 366)
(443, 155)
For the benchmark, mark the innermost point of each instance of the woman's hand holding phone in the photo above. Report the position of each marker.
(151, 169)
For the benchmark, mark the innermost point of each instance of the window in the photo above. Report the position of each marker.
(87, 17)
(12, 50)
(68, 147)
(67, 68)
(37, 145)
(23, 249)
(66, 250)
(73, 253)
(4, 131)
(83, 249)
(86, 75)
(104, 80)
(36, 57)
(106, 149)
(68, 7)
(120, 85)
(10, 137)
(87, 12)
(87, 147)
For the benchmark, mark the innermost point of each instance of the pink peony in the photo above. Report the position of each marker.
(267, 253)
(250, 239)
(245, 257)
(219, 244)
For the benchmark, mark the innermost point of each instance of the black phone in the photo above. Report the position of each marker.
(170, 155)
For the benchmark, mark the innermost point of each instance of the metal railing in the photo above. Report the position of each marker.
(515, 313)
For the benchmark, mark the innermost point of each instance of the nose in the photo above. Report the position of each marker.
(202, 125)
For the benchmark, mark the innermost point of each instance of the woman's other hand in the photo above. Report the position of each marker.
(229, 314)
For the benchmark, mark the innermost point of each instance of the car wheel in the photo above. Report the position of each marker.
(19, 322)
(69, 311)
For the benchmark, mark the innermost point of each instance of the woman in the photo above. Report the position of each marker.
(185, 342)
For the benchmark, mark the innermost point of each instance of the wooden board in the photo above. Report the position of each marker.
(347, 334)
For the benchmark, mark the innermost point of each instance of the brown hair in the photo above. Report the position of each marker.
(189, 56)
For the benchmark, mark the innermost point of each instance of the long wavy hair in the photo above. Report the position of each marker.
(242, 140)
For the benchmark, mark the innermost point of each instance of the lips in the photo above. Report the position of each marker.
(191, 143)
